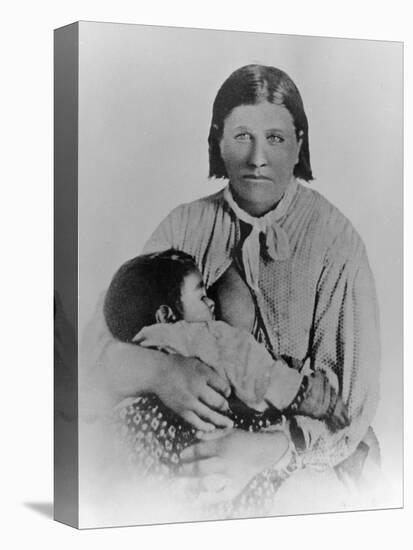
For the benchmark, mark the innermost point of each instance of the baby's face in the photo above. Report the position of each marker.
(196, 305)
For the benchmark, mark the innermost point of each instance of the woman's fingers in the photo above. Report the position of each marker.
(213, 399)
(197, 422)
(344, 419)
(216, 434)
(212, 416)
(341, 413)
(219, 384)
(327, 394)
(338, 421)
(333, 424)
(207, 467)
(199, 451)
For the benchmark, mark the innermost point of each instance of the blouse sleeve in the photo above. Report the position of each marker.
(170, 233)
(345, 345)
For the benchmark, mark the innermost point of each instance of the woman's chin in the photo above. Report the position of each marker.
(259, 203)
(256, 196)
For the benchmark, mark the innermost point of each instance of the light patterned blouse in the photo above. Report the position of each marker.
(315, 294)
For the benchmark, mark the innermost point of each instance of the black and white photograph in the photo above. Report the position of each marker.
(238, 308)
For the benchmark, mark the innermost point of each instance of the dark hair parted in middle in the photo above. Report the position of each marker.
(250, 85)
(141, 286)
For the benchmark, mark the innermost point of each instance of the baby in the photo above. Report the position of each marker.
(160, 301)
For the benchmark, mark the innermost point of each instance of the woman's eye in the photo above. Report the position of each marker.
(273, 138)
(243, 136)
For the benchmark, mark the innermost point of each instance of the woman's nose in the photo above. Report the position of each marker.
(257, 156)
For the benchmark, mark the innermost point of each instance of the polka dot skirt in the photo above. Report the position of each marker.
(154, 437)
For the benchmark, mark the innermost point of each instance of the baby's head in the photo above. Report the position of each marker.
(163, 287)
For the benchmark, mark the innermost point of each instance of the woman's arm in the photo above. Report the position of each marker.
(111, 370)
(345, 345)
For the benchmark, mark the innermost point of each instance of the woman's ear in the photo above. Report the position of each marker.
(300, 137)
(164, 314)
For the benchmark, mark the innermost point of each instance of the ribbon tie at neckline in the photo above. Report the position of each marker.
(276, 240)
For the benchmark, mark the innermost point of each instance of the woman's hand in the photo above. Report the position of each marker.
(194, 391)
(318, 396)
(318, 400)
(234, 455)
(118, 370)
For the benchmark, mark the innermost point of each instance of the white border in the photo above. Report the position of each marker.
(26, 225)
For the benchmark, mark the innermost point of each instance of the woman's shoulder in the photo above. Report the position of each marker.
(203, 203)
(188, 226)
(340, 235)
(196, 210)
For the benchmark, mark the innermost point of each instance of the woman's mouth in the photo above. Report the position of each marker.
(255, 177)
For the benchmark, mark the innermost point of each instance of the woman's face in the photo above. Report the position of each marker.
(260, 149)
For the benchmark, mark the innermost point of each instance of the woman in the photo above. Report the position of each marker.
(280, 261)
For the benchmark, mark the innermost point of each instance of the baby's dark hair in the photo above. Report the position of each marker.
(141, 286)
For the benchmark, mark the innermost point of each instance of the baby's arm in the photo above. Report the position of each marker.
(257, 379)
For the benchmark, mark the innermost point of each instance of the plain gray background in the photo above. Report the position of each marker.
(145, 102)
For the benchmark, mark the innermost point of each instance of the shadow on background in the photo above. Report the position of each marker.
(43, 508)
